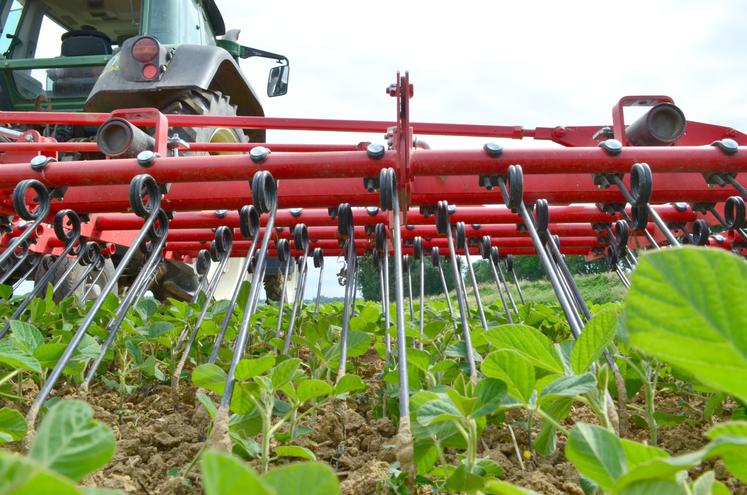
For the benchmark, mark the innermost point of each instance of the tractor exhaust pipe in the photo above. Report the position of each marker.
(118, 138)
(663, 125)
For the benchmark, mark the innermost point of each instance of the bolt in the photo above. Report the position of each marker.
(39, 162)
(375, 151)
(221, 213)
(613, 147)
(727, 145)
(146, 158)
(258, 154)
(493, 150)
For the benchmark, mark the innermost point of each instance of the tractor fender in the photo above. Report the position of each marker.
(190, 67)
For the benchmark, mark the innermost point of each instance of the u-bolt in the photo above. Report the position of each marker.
(417, 252)
(443, 225)
(34, 215)
(265, 199)
(67, 230)
(141, 187)
(486, 251)
(382, 249)
(284, 259)
(151, 246)
(463, 243)
(318, 263)
(221, 245)
(734, 215)
(389, 201)
(436, 261)
(249, 227)
(301, 243)
(346, 231)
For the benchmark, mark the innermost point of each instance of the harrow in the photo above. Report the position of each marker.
(605, 192)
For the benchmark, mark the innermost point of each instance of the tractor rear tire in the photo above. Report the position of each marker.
(72, 279)
(273, 286)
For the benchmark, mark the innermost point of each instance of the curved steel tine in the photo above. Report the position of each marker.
(297, 302)
(510, 268)
(436, 259)
(473, 279)
(223, 242)
(101, 269)
(487, 255)
(20, 258)
(130, 299)
(34, 264)
(36, 217)
(71, 239)
(284, 258)
(264, 195)
(249, 218)
(382, 247)
(90, 259)
(318, 263)
(346, 228)
(150, 211)
(421, 309)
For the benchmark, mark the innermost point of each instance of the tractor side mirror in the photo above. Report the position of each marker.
(277, 83)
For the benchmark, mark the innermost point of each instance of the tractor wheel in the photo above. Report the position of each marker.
(74, 276)
(176, 279)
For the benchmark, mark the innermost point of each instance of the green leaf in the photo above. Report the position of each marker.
(359, 343)
(49, 353)
(223, 474)
(498, 487)
(26, 336)
(597, 454)
(349, 384)
(71, 442)
(596, 336)
(248, 368)
(6, 291)
(311, 389)
(159, 328)
(530, 343)
(12, 425)
(514, 370)
(706, 484)
(23, 476)
(284, 372)
(295, 451)
(94, 490)
(208, 404)
(18, 359)
(653, 486)
(546, 441)
(464, 404)
(211, 377)
(490, 392)
(684, 307)
(462, 480)
(302, 478)
(733, 450)
(571, 386)
(437, 411)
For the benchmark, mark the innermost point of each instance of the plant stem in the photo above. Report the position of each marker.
(552, 421)
(9, 376)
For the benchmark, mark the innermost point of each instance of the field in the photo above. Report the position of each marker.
(650, 398)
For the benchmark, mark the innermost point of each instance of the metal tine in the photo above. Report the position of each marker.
(641, 185)
(301, 243)
(463, 243)
(249, 226)
(419, 255)
(486, 251)
(282, 247)
(34, 216)
(436, 261)
(346, 230)
(638, 221)
(463, 286)
(221, 250)
(151, 245)
(443, 225)
(202, 268)
(265, 199)
(34, 264)
(389, 201)
(90, 258)
(382, 249)
(19, 259)
(318, 263)
(510, 268)
(140, 186)
(86, 252)
(100, 268)
(734, 215)
(73, 244)
(406, 268)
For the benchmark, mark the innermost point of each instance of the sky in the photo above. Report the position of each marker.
(532, 63)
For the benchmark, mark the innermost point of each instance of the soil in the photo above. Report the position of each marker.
(155, 441)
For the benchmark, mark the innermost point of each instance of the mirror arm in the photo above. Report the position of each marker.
(247, 52)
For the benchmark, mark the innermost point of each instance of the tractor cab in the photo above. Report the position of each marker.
(53, 52)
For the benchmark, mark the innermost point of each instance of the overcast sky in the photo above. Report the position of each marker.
(510, 63)
(507, 63)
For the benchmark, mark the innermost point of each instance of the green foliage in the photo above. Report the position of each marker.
(369, 281)
(685, 307)
(12, 425)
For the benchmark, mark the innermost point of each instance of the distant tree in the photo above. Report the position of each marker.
(370, 285)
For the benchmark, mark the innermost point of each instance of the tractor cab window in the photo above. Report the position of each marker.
(179, 22)
(76, 37)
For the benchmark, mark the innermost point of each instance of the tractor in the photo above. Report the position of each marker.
(101, 55)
